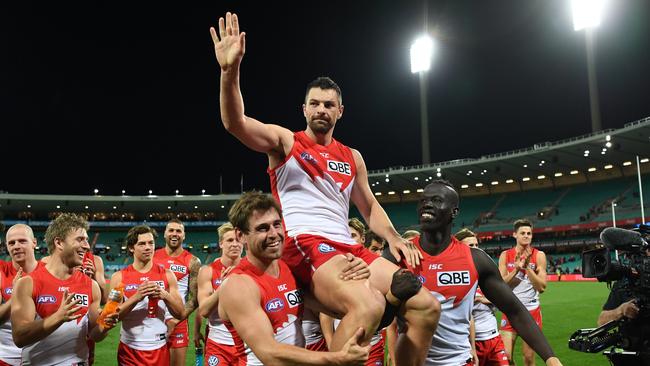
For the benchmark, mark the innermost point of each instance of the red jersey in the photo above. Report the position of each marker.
(282, 302)
(139, 331)
(313, 185)
(179, 266)
(67, 344)
(452, 278)
(524, 291)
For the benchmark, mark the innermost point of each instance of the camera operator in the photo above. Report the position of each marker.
(620, 303)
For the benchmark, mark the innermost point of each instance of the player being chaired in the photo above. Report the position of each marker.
(314, 177)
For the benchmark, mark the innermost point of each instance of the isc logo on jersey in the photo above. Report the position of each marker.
(274, 305)
(294, 298)
(339, 167)
(46, 299)
(81, 298)
(325, 248)
(178, 268)
(453, 278)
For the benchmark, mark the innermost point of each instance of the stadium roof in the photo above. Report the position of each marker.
(547, 159)
(614, 149)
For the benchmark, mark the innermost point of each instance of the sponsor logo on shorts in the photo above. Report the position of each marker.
(274, 305)
(9, 290)
(339, 167)
(294, 298)
(503, 323)
(178, 268)
(46, 299)
(325, 248)
(213, 360)
(422, 279)
(307, 157)
(453, 278)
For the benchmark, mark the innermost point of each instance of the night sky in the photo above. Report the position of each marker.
(118, 96)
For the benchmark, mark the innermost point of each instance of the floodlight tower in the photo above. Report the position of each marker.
(421, 54)
(586, 15)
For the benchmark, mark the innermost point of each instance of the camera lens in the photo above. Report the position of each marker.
(599, 263)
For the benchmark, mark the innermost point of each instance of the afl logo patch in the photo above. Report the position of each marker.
(213, 360)
(325, 248)
(46, 299)
(422, 279)
(274, 305)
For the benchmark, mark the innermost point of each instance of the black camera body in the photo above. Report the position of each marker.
(632, 271)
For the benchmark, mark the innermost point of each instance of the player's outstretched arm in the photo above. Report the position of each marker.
(498, 292)
(240, 304)
(25, 328)
(192, 302)
(377, 218)
(229, 47)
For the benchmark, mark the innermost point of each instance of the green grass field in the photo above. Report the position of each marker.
(566, 307)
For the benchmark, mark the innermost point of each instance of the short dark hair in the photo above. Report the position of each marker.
(522, 222)
(248, 203)
(134, 232)
(325, 83)
(464, 233)
(444, 182)
(175, 221)
(370, 236)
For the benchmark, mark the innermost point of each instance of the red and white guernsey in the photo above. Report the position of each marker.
(313, 186)
(282, 302)
(524, 291)
(139, 331)
(67, 344)
(452, 278)
(217, 331)
(180, 267)
(9, 353)
(485, 324)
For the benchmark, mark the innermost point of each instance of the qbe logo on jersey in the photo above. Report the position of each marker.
(294, 298)
(82, 299)
(339, 167)
(178, 268)
(453, 278)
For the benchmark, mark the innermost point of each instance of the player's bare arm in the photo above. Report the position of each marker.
(97, 332)
(229, 47)
(377, 218)
(498, 292)
(192, 302)
(28, 330)
(537, 276)
(208, 299)
(508, 277)
(100, 278)
(240, 304)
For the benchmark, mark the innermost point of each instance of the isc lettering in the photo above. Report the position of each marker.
(282, 287)
(339, 167)
(453, 278)
(435, 266)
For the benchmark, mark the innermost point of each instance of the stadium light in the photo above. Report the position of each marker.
(29, 206)
(96, 191)
(587, 15)
(613, 213)
(123, 192)
(421, 55)
(150, 192)
(574, 172)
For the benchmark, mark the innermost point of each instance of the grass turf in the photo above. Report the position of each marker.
(566, 307)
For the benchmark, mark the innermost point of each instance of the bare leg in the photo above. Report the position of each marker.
(529, 354)
(421, 313)
(177, 356)
(362, 306)
(509, 339)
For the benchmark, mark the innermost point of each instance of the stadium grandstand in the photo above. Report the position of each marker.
(569, 189)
